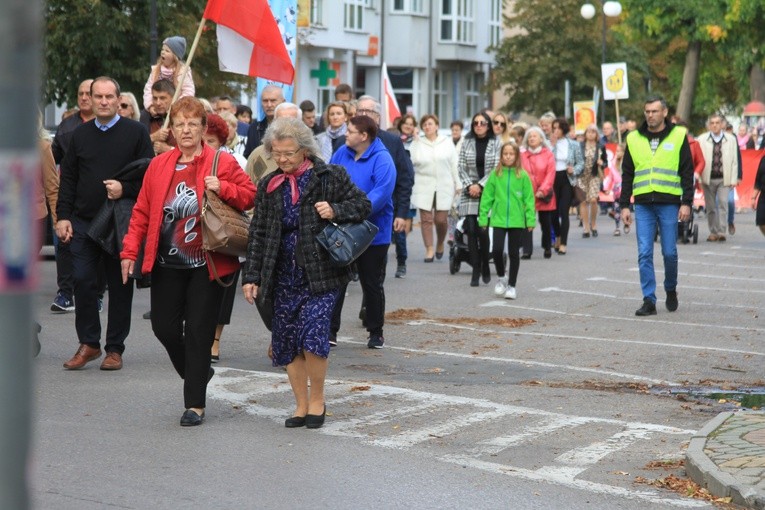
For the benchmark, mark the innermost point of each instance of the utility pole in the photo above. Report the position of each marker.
(20, 50)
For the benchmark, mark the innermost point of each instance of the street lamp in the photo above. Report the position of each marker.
(611, 9)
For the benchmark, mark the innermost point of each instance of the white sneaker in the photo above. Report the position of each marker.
(500, 287)
(510, 293)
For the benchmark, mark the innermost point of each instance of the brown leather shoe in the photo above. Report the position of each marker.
(112, 361)
(82, 357)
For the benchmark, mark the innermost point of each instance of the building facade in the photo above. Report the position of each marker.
(435, 51)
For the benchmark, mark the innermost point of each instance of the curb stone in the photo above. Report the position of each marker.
(706, 473)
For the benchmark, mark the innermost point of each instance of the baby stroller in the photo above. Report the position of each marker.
(687, 230)
(459, 251)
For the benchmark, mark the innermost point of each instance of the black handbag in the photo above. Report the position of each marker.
(345, 242)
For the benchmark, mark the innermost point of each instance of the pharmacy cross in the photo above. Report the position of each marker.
(323, 73)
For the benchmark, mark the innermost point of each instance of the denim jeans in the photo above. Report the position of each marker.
(649, 217)
(731, 205)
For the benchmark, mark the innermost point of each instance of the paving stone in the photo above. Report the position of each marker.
(737, 462)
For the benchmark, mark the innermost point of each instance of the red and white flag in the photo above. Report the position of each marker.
(249, 41)
(390, 109)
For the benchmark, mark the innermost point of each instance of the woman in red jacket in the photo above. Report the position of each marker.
(184, 294)
(538, 160)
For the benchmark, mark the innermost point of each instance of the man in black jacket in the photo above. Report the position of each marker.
(98, 150)
(270, 98)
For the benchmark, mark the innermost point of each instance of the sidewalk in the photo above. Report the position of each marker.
(727, 457)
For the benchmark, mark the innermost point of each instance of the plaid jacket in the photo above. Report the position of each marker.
(469, 173)
(349, 203)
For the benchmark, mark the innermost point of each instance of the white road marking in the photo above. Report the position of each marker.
(505, 304)
(518, 332)
(710, 276)
(639, 300)
(747, 267)
(239, 386)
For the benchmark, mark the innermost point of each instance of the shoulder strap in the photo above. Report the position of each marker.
(215, 164)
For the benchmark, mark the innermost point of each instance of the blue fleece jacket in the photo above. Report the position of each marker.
(375, 175)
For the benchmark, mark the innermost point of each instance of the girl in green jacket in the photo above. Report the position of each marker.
(509, 197)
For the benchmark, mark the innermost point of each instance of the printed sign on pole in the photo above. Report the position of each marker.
(615, 84)
(584, 115)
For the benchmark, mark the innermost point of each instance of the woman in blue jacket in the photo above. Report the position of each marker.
(371, 169)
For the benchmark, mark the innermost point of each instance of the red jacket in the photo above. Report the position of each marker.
(697, 155)
(541, 169)
(236, 189)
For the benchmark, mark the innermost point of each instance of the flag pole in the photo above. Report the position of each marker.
(186, 66)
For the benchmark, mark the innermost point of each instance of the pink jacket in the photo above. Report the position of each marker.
(236, 189)
(187, 89)
(541, 168)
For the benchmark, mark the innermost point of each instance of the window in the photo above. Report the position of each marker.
(473, 82)
(353, 14)
(408, 6)
(440, 97)
(317, 13)
(457, 21)
(495, 23)
(404, 82)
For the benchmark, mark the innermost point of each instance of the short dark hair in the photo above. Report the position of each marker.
(106, 78)
(307, 106)
(562, 124)
(457, 123)
(243, 108)
(656, 97)
(366, 125)
(163, 86)
(429, 116)
(343, 88)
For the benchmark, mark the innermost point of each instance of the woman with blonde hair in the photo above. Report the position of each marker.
(335, 118)
(501, 127)
(169, 67)
(128, 106)
(588, 183)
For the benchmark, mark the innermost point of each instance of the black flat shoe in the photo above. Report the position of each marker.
(315, 421)
(191, 419)
(428, 259)
(525, 257)
(440, 255)
(294, 422)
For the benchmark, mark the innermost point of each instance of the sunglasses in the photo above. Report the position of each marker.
(500, 123)
(124, 106)
(480, 123)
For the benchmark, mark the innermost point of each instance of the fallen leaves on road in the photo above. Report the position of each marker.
(589, 384)
(686, 487)
(410, 314)
(666, 464)
(361, 388)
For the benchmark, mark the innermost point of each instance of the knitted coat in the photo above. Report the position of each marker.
(329, 183)
(469, 173)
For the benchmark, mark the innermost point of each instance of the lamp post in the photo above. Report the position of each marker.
(611, 9)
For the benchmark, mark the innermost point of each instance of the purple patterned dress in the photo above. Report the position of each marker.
(301, 319)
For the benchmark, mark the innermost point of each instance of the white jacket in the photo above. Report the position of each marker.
(730, 155)
(435, 173)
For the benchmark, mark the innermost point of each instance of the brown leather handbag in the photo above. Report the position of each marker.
(225, 229)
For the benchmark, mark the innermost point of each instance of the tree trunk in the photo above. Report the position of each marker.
(757, 84)
(690, 77)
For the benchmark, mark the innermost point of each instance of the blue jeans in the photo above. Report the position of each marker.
(649, 217)
(731, 204)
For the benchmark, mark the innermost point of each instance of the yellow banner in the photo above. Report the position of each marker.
(304, 13)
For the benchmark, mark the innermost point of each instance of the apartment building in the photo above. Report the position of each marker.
(435, 51)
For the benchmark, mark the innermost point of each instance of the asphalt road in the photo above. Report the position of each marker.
(461, 409)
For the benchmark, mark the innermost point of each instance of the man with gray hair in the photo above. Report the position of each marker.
(270, 98)
(260, 164)
(722, 165)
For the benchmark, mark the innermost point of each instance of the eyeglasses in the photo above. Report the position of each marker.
(480, 123)
(364, 111)
(124, 106)
(193, 126)
(500, 123)
(286, 154)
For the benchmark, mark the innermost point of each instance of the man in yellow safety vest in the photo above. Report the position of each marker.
(657, 171)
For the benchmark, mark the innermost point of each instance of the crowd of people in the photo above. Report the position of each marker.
(296, 169)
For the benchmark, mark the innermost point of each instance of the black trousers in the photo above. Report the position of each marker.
(87, 259)
(527, 238)
(64, 269)
(478, 246)
(184, 313)
(514, 236)
(371, 267)
(563, 196)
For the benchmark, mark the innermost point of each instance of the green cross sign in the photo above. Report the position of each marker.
(323, 73)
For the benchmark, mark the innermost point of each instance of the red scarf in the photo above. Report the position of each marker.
(292, 177)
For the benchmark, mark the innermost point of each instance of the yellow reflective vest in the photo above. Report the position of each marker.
(657, 171)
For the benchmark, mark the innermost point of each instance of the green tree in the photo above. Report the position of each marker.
(552, 43)
(89, 38)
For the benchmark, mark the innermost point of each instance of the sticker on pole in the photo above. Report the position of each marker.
(19, 180)
(615, 84)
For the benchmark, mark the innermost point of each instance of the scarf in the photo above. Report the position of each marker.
(292, 177)
(332, 134)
